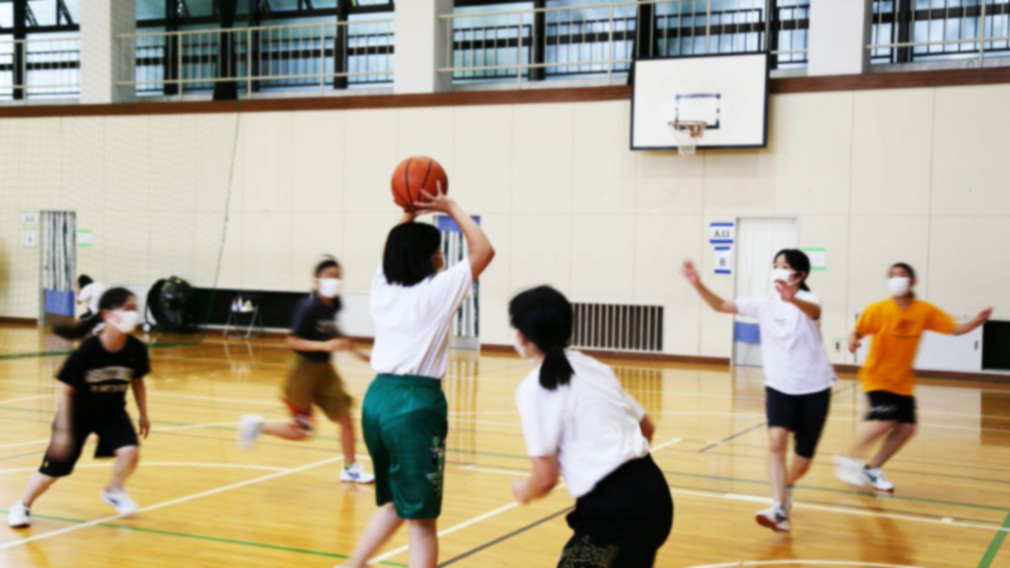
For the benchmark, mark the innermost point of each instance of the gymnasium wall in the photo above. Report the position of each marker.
(874, 176)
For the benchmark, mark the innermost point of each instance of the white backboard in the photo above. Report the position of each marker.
(728, 92)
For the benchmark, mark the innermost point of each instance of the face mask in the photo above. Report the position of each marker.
(520, 349)
(329, 287)
(782, 274)
(899, 285)
(125, 320)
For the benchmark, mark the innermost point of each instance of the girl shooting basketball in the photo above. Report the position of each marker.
(404, 416)
(888, 378)
(798, 375)
(95, 379)
(577, 421)
(313, 380)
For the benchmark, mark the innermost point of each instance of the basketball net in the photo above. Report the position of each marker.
(688, 134)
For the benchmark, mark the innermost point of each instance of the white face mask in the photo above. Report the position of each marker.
(520, 349)
(783, 274)
(125, 320)
(330, 287)
(899, 285)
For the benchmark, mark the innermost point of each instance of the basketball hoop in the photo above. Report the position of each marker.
(687, 133)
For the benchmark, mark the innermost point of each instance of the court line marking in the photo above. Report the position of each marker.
(489, 514)
(994, 546)
(172, 502)
(27, 398)
(743, 563)
(213, 398)
(797, 504)
(214, 465)
(456, 528)
(41, 441)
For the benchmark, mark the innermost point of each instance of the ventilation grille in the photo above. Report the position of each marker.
(619, 327)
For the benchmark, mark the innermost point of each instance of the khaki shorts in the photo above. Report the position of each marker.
(316, 384)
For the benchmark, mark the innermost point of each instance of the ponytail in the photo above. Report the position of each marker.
(556, 369)
(545, 316)
(112, 299)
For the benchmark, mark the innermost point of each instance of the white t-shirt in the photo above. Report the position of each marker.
(412, 324)
(90, 296)
(791, 347)
(591, 424)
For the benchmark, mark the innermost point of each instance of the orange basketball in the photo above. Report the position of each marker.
(413, 175)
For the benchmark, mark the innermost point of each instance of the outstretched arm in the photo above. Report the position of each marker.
(714, 301)
(971, 325)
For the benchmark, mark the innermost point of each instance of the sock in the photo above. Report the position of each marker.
(348, 466)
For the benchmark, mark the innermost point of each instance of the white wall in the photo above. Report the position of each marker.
(874, 176)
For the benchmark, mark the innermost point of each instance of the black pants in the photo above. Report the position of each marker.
(804, 415)
(114, 431)
(623, 521)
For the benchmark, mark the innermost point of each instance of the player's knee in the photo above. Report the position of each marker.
(129, 454)
(908, 430)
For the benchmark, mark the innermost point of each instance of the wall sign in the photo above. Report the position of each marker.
(721, 233)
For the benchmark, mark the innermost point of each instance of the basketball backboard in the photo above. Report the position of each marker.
(729, 93)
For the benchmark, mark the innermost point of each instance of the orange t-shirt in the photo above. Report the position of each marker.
(896, 333)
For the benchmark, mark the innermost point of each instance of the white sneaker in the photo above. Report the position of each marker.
(774, 518)
(121, 500)
(356, 473)
(850, 470)
(19, 516)
(249, 428)
(877, 479)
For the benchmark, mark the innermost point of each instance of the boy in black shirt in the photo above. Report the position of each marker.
(313, 380)
(95, 380)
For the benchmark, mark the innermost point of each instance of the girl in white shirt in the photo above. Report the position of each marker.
(798, 374)
(579, 422)
(404, 416)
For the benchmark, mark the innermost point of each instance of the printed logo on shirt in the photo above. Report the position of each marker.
(118, 376)
(904, 327)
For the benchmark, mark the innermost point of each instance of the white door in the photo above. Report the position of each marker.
(757, 242)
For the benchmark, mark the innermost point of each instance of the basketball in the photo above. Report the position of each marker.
(414, 175)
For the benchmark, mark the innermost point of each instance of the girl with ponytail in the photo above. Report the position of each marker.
(798, 374)
(579, 423)
(96, 378)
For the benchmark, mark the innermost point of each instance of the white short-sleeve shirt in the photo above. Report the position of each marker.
(591, 424)
(90, 296)
(412, 324)
(792, 350)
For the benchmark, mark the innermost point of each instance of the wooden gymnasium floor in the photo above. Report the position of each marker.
(208, 504)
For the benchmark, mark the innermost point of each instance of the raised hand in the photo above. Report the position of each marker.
(984, 315)
(690, 273)
(437, 203)
(785, 290)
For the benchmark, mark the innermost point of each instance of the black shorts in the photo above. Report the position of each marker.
(802, 414)
(113, 432)
(623, 521)
(889, 406)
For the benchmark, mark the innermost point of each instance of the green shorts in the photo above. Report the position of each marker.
(405, 421)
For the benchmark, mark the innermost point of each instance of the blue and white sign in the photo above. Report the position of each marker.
(724, 260)
(721, 233)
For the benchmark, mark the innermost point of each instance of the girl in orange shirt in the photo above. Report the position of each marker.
(888, 377)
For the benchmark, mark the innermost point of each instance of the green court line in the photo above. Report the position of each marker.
(43, 354)
(476, 453)
(994, 546)
(208, 538)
